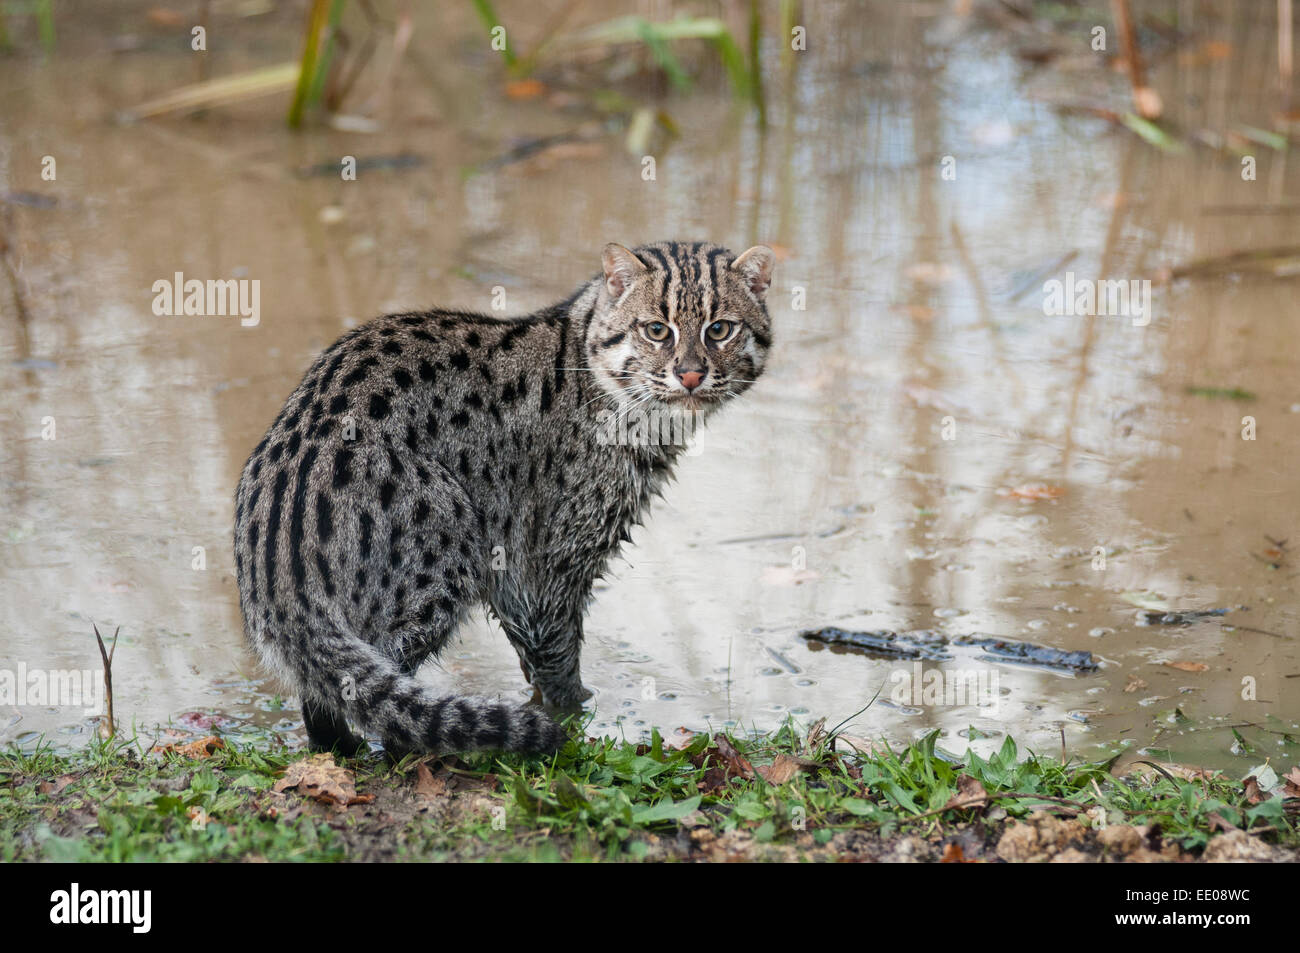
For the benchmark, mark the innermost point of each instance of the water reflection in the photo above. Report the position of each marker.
(830, 495)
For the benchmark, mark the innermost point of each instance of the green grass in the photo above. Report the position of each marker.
(600, 799)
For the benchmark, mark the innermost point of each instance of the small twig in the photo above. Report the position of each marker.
(1247, 628)
(1285, 57)
(1146, 101)
(107, 656)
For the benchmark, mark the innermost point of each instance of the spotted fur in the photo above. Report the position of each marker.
(431, 462)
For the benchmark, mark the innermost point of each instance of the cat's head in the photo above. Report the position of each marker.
(680, 326)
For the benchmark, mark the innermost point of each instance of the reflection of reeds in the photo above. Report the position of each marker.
(214, 92)
(659, 38)
(43, 11)
(318, 19)
(485, 13)
(45, 24)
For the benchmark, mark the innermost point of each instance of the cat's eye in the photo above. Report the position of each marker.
(657, 331)
(718, 331)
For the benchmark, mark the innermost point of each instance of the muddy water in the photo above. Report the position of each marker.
(857, 486)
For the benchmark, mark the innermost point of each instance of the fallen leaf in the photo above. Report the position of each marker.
(1252, 792)
(1033, 491)
(784, 768)
(1220, 823)
(970, 793)
(714, 780)
(679, 740)
(736, 763)
(426, 785)
(815, 734)
(1188, 666)
(57, 785)
(1292, 783)
(203, 748)
(320, 778)
(1134, 684)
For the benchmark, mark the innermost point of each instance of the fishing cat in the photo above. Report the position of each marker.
(433, 461)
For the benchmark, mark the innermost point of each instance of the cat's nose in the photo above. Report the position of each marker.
(690, 379)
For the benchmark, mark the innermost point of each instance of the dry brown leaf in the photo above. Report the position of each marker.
(320, 778)
(679, 740)
(427, 785)
(1188, 666)
(1134, 684)
(1252, 792)
(203, 748)
(784, 768)
(1220, 823)
(970, 793)
(736, 763)
(815, 734)
(56, 785)
(1292, 779)
(1033, 491)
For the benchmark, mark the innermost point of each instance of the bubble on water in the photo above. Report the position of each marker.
(805, 682)
(1101, 630)
(1037, 624)
(950, 613)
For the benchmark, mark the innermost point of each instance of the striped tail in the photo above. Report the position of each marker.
(345, 674)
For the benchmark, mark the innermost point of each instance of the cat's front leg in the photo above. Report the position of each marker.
(550, 657)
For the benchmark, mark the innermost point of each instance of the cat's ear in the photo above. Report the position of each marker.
(621, 268)
(755, 268)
